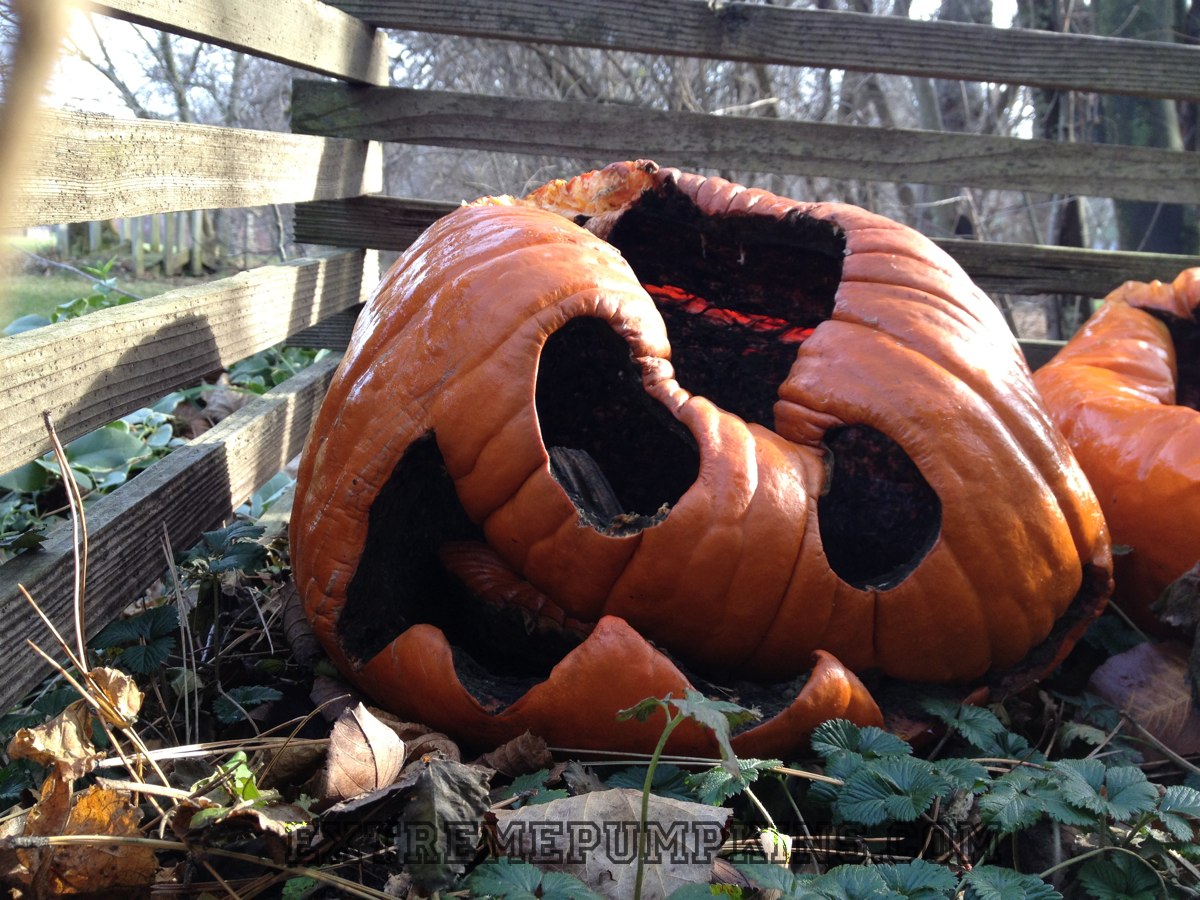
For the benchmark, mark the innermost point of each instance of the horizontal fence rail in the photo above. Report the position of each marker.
(857, 42)
(91, 166)
(307, 34)
(193, 489)
(606, 132)
(392, 223)
(89, 371)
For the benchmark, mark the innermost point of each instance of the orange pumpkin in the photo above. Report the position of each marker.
(1125, 391)
(643, 404)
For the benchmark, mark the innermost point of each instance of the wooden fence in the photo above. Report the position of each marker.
(89, 371)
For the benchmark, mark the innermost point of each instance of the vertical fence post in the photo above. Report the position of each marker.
(137, 247)
(168, 251)
(197, 242)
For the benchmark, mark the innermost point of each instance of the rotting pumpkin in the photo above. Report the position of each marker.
(1125, 391)
(642, 405)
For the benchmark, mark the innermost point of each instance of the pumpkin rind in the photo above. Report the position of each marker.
(735, 574)
(1112, 392)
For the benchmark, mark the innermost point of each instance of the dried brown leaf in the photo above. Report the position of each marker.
(1179, 604)
(272, 828)
(99, 867)
(579, 778)
(432, 744)
(122, 692)
(600, 845)
(298, 633)
(333, 696)
(64, 742)
(49, 815)
(224, 400)
(406, 731)
(1151, 683)
(520, 756)
(12, 868)
(364, 755)
(292, 764)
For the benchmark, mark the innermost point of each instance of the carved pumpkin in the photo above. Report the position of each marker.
(643, 404)
(1125, 391)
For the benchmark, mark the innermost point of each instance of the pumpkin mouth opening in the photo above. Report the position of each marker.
(619, 454)
(739, 293)
(1185, 335)
(401, 580)
(878, 516)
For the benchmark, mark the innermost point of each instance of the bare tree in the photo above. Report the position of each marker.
(165, 76)
(1149, 122)
(8, 37)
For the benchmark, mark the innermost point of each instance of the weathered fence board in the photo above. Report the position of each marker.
(392, 223)
(189, 491)
(98, 167)
(808, 37)
(332, 332)
(600, 133)
(1040, 269)
(307, 34)
(95, 369)
(385, 223)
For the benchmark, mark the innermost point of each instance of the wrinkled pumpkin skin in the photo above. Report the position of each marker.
(734, 577)
(1112, 390)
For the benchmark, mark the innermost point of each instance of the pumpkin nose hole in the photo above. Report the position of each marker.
(618, 454)
(878, 515)
(739, 293)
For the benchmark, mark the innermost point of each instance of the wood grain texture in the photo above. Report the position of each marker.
(392, 223)
(386, 223)
(332, 333)
(92, 166)
(307, 34)
(808, 37)
(601, 133)
(1037, 269)
(92, 370)
(194, 489)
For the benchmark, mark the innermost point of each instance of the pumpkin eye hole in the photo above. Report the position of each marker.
(620, 455)
(1185, 336)
(738, 293)
(878, 515)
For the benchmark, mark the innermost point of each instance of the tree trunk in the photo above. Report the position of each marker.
(1146, 122)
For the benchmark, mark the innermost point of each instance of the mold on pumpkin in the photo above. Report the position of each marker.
(641, 413)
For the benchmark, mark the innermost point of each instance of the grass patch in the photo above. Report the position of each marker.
(38, 293)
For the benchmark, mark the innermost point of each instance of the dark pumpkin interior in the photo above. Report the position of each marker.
(1185, 335)
(878, 516)
(401, 582)
(739, 295)
(621, 457)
